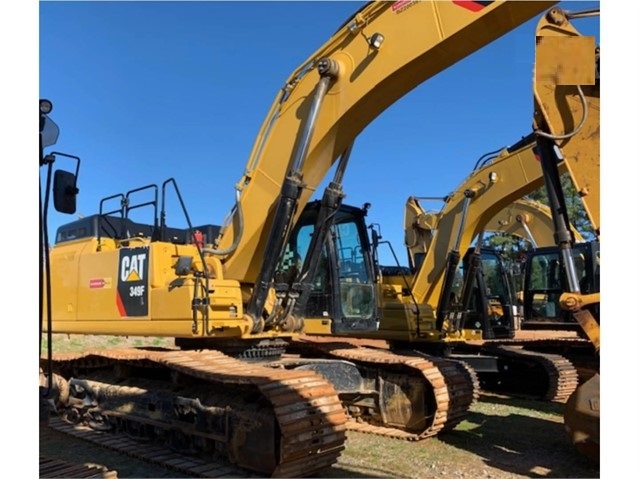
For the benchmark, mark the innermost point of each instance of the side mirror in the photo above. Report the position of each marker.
(64, 192)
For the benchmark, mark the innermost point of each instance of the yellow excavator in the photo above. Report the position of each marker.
(532, 283)
(536, 273)
(529, 220)
(232, 385)
(526, 219)
(566, 118)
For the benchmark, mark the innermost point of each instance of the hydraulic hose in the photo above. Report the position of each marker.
(238, 236)
(565, 136)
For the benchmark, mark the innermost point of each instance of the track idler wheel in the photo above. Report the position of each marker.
(581, 418)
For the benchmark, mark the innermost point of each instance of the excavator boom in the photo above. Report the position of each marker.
(480, 197)
(526, 219)
(381, 53)
(529, 220)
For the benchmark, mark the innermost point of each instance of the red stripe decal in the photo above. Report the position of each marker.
(120, 304)
(469, 5)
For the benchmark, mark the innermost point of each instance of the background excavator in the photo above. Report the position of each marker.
(529, 220)
(538, 280)
(525, 219)
(225, 296)
(536, 272)
(532, 285)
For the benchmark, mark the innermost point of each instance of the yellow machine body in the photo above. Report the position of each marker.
(419, 42)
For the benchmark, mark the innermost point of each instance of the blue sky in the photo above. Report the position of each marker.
(147, 91)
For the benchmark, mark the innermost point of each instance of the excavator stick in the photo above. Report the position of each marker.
(566, 118)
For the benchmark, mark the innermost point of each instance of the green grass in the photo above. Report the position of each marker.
(75, 343)
(500, 438)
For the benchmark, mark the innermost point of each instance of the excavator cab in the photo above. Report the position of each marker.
(492, 306)
(545, 281)
(342, 290)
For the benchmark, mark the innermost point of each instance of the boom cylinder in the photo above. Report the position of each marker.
(289, 198)
(557, 201)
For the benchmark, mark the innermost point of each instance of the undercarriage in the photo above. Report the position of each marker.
(280, 416)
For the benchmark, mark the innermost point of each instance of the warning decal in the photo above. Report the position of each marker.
(401, 5)
(100, 283)
(133, 290)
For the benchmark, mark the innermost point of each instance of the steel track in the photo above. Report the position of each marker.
(580, 352)
(309, 413)
(561, 375)
(160, 456)
(54, 468)
(454, 385)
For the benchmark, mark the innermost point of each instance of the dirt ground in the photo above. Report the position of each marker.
(501, 438)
